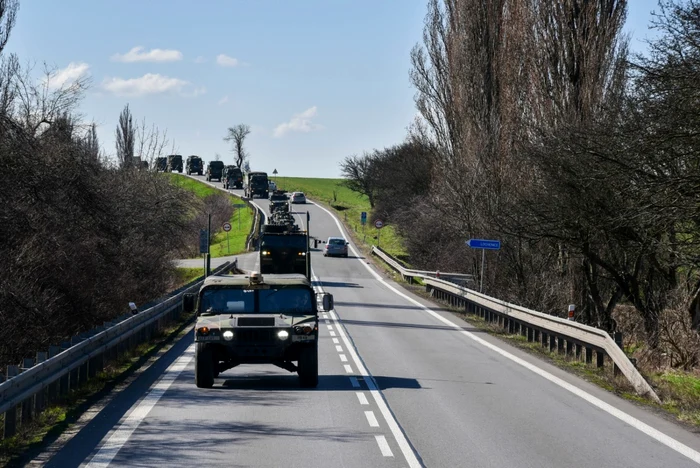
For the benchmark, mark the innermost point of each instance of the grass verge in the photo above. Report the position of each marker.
(61, 415)
(187, 275)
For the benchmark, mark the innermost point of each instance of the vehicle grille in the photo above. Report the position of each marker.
(256, 336)
(256, 322)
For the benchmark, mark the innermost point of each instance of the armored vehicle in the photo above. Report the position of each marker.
(194, 165)
(175, 163)
(254, 319)
(161, 164)
(256, 184)
(233, 177)
(215, 170)
(284, 248)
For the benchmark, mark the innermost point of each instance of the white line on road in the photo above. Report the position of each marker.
(371, 419)
(119, 437)
(332, 333)
(335, 340)
(363, 399)
(343, 358)
(348, 369)
(330, 327)
(354, 382)
(608, 408)
(338, 347)
(383, 446)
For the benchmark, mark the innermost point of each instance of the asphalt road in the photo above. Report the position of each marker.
(402, 383)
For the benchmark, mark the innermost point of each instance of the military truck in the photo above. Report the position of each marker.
(256, 184)
(233, 177)
(215, 170)
(255, 319)
(161, 164)
(175, 163)
(284, 248)
(194, 165)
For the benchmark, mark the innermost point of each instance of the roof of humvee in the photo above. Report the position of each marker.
(271, 279)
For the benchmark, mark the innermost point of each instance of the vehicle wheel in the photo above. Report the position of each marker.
(308, 367)
(345, 255)
(199, 173)
(203, 366)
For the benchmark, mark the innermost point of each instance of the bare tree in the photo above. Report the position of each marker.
(8, 16)
(236, 136)
(150, 142)
(217, 157)
(360, 175)
(125, 138)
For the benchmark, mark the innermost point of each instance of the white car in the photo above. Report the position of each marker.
(298, 197)
(271, 186)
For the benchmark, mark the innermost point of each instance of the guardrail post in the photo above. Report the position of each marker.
(65, 382)
(589, 355)
(579, 348)
(552, 342)
(617, 336)
(544, 339)
(530, 334)
(28, 404)
(53, 386)
(11, 414)
(537, 336)
(40, 398)
(600, 358)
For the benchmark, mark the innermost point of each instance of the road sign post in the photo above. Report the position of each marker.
(379, 224)
(484, 245)
(227, 228)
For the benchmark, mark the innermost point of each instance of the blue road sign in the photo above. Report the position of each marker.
(484, 244)
(203, 241)
(363, 217)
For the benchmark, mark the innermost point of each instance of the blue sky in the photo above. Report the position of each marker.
(317, 80)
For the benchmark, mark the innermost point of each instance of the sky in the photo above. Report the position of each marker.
(316, 80)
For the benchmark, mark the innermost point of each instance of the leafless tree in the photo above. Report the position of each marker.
(150, 142)
(8, 16)
(125, 136)
(236, 136)
(359, 174)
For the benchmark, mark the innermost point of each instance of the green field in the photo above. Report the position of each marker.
(221, 246)
(347, 205)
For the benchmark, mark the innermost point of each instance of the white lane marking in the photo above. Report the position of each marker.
(348, 369)
(332, 333)
(371, 419)
(343, 358)
(120, 436)
(354, 382)
(338, 347)
(383, 446)
(363, 399)
(597, 402)
(335, 341)
(330, 327)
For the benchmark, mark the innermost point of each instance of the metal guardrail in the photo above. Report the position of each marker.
(38, 382)
(564, 336)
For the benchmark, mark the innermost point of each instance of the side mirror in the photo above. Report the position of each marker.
(188, 302)
(347, 243)
(327, 301)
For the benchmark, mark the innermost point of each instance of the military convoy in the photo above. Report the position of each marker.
(194, 165)
(215, 170)
(161, 164)
(174, 163)
(232, 177)
(256, 184)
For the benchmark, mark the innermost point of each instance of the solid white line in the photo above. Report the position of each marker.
(363, 399)
(335, 340)
(332, 333)
(383, 445)
(371, 419)
(354, 382)
(348, 369)
(339, 348)
(343, 358)
(619, 414)
(121, 435)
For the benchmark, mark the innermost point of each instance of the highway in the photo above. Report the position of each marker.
(402, 383)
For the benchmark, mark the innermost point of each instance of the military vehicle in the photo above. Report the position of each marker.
(194, 165)
(175, 163)
(233, 177)
(215, 170)
(254, 319)
(256, 184)
(161, 164)
(284, 248)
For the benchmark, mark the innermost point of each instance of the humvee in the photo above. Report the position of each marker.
(174, 163)
(161, 164)
(194, 164)
(253, 319)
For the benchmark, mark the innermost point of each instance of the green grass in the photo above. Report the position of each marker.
(237, 236)
(185, 275)
(348, 205)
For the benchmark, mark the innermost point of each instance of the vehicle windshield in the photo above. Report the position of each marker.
(336, 242)
(289, 301)
(295, 242)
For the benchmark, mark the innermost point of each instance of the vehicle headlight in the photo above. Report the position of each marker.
(228, 335)
(283, 334)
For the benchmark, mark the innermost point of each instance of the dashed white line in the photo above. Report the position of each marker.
(119, 437)
(348, 369)
(343, 358)
(335, 341)
(383, 446)
(371, 419)
(332, 333)
(330, 327)
(361, 396)
(354, 382)
(339, 348)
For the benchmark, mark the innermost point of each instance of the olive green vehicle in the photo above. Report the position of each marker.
(251, 319)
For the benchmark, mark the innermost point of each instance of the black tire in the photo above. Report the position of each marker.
(345, 255)
(200, 173)
(308, 367)
(203, 366)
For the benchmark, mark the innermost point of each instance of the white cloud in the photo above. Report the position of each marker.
(200, 59)
(226, 61)
(223, 100)
(138, 54)
(298, 123)
(150, 83)
(66, 76)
